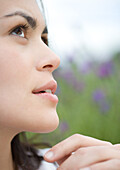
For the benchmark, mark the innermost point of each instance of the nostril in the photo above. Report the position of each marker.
(48, 66)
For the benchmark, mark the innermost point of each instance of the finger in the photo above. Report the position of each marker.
(70, 145)
(85, 157)
(60, 161)
(113, 164)
(117, 146)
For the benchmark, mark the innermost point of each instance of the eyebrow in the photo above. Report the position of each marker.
(31, 21)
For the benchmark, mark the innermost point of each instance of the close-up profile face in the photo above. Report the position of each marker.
(27, 87)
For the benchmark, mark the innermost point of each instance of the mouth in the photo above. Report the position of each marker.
(43, 91)
(49, 87)
(47, 91)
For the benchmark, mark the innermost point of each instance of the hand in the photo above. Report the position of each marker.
(93, 158)
(88, 152)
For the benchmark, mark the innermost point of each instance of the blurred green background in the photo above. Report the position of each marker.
(89, 101)
(86, 35)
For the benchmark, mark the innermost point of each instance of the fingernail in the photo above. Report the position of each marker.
(49, 155)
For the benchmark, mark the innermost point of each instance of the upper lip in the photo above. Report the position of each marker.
(52, 85)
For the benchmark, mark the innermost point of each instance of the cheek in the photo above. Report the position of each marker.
(14, 67)
(15, 71)
(19, 108)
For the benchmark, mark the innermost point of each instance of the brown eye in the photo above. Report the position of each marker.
(19, 32)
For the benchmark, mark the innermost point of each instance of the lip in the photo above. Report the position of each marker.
(52, 85)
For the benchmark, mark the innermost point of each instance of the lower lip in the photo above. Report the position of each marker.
(49, 96)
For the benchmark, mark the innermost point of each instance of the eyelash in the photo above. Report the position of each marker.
(25, 29)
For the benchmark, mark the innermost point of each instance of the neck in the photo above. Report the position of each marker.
(6, 162)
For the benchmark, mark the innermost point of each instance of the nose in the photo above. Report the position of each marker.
(47, 60)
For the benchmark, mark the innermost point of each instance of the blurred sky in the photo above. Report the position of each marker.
(91, 27)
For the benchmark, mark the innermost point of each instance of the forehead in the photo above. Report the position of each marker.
(32, 7)
(39, 5)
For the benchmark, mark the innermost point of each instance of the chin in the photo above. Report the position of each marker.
(45, 127)
(50, 127)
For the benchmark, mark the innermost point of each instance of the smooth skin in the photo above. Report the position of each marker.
(26, 63)
(80, 152)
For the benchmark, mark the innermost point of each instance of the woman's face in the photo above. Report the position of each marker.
(26, 66)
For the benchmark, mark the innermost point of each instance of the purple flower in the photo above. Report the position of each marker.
(86, 67)
(105, 69)
(100, 98)
(63, 126)
(104, 106)
(69, 76)
(98, 95)
(78, 85)
(70, 59)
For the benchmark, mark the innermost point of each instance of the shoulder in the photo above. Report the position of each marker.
(45, 165)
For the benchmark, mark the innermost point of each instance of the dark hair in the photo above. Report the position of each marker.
(24, 155)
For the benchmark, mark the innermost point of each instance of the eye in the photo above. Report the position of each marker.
(20, 31)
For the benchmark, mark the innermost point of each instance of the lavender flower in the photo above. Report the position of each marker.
(78, 85)
(105, 69)
(63, 126)
(70, 59)
(69, 76)
(86, 68)
(98, 95)
(100, 98)
(104, 106)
